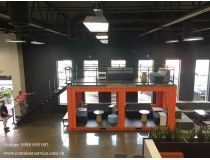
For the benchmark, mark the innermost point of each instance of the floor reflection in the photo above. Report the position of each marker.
(140, 137)
(92, 139)
(106, 144)
(11, 128)
(114, 140)
(64, 137)
(47, 128)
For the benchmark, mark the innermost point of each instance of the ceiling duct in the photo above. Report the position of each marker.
(18, 12)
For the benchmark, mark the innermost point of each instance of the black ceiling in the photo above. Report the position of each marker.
(127, 19)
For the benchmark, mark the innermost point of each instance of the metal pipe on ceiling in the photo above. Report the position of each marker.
(181, 19)
(3, 16)
(201, 30)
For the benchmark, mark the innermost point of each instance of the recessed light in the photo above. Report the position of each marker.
(37, 42)
(193, 39)
(96, 23)
(104, 41)
(101, 36)
(172, 41)
(97, 10)
(15, 41)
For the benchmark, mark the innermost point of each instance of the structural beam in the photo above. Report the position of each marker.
(181, 19)
(6, 17)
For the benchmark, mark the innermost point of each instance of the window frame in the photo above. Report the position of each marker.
(179, 77)
(207, 86)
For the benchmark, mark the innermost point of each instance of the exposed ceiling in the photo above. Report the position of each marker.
(133, 20)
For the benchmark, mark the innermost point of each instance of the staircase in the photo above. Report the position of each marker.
(183, 121)
(28, 110)
(56, 93)
(15, 113)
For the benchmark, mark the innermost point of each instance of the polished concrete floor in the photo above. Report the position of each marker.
(43, 135)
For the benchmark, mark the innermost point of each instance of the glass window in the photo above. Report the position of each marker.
(201, 80)
(145, 66)
(90, 75)
(175, 68)
(62, 75)
(61, 70)
(90, 70)
(118, 63)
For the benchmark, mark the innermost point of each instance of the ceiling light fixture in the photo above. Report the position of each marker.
(96, 23)
(187, 39)
(37, 42)
(101, 36)
(104, 41)
(97, 10)
(172, 41)
(15, 41)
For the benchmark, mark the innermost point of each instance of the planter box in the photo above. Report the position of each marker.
(189, 149)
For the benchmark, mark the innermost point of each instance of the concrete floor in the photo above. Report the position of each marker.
(42, 135)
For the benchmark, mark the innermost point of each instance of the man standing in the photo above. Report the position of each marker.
(21, 99)
(4, 115)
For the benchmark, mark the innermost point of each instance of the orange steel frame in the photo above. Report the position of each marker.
(165, 97)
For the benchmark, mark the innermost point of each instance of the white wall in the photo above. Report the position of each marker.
(11, 63)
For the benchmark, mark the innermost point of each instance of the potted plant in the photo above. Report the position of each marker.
(168, 134)
(152, 134)
(177, 133)
(195, 145)
(192, 134)
(7, 95)
(200, 135)
(159, 135)
(208, 136)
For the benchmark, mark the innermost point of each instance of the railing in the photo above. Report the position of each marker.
(94, 73)
(15, 115)
(124, 75)
(54, 90)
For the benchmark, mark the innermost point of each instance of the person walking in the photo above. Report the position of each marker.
(4, 115)
(21, 99)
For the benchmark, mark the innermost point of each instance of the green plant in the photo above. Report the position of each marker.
(192, 134)
(152, 134)
(159, 135)
(208, 136)
(177, 133)
(201, 135)
(168, 134)
(6, 93)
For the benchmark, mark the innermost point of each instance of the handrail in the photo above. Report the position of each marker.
(118, 81)
(13, 112)
(121, 71)
(16, 106)
(60, 82)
